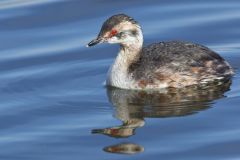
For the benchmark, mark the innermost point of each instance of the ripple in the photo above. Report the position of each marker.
(11, 4)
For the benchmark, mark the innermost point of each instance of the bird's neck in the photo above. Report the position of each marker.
(129, 53)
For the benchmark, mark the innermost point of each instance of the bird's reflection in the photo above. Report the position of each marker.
(131, 107)
(124, 148)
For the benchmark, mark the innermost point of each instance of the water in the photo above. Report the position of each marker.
(54, 106)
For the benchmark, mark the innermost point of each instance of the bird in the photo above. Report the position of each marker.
(170, 64)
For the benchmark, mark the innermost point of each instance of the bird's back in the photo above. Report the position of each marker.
(178, 64)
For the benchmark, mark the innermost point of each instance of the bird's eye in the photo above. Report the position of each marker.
(113, 32)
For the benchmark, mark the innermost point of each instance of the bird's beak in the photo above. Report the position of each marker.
(95, 41)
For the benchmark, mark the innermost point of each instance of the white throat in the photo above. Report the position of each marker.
(118, 75)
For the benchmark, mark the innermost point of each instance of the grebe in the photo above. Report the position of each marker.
(165, 64)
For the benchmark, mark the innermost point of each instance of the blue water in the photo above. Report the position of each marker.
(53, 104)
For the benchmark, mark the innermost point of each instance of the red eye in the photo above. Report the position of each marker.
(113, 32)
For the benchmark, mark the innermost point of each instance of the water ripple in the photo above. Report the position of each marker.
(12, 4)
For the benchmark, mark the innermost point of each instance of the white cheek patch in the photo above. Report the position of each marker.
(113, 40)
(129, 39)
(123, 40)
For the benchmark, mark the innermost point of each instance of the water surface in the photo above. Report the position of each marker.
(54, 106)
